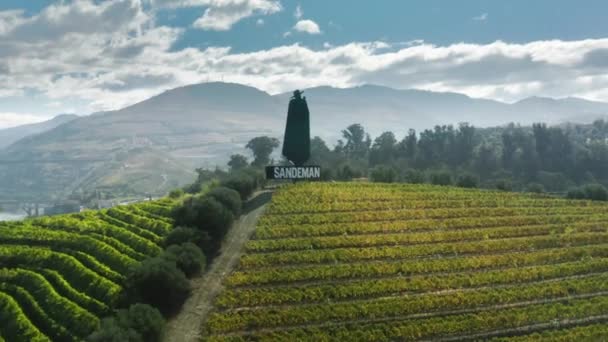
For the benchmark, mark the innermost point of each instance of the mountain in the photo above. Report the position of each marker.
(154, 145)
(11, 135)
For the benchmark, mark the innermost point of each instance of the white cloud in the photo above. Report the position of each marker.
(112, 66)
(298, 13)
(307, 26)
(259, 22)
(8, 120)
(481, 17)
(220, 15)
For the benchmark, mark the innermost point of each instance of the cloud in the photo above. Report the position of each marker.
(307, 26)
(105, 67)
(298, 13)
(221, 15)
(8, 120)
(481, 17)
(259, 22)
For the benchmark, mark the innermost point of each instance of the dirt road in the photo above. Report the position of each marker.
(186, 326)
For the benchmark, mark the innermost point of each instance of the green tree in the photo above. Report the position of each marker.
(384, 149)
(237, 162)
(262, 148)
(357, 141)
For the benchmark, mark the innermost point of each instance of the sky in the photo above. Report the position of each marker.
(85, 56)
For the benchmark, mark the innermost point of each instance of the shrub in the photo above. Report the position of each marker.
(177, 193)
(243, 183)
(140, 322)
(414, 176)
(110, 330)
(535, 188)
(441, 178)
(158, 282)
(181, 235)
(206, 214)
(467, 181)
(230, 198)
(383, 174)
(187, 256)
(576, 193)
(595, 192)
(504, 185)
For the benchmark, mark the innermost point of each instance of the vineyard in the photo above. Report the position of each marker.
(372, 262)
(60, 275)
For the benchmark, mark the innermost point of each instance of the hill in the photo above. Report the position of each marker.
(203, 124)
(13, 134)
(367, 262)
(61, 275)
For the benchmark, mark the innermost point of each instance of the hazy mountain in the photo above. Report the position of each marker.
(159, 141)
(11, 135)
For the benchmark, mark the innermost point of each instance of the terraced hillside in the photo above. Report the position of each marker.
(372, 262)
(59, 275)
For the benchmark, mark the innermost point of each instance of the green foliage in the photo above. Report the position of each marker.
(187, 256)
(237, 162)
(229, 198)
(467, 181)
(243, 183)
(157, 282)
(504, 185)
(383, 174)
(535, 188)
(596, 192)
(206, 214)
(262, 147)
(176, 193)
(413, 176)
(181, 235)
(441, 178)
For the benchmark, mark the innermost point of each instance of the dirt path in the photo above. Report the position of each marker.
(186, 326)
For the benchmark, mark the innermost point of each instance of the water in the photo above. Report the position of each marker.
(6, 216)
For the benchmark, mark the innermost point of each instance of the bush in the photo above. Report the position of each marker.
(414, 176)
(187, 256)
(441, 178)
(504, 185)
(383, 174)
(110, 330)
(158, 282)
(243, 183)
(576, 193)
(535, 188)
(595, 192)
(230, 198)
(181, 235)
(206, 214)
(140, 322)
(177, 193)
(467, 181)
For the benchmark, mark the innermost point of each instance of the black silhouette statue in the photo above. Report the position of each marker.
(296, 144)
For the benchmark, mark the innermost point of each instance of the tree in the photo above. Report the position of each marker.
(237, 162)
(357, 141)
(407, 146)
(262, 148)
(384, 149)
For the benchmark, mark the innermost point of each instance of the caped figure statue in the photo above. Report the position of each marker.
(296, 144)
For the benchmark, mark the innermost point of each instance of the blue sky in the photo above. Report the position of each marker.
(84, 55)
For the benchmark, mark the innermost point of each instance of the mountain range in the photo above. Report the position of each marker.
(153, 146)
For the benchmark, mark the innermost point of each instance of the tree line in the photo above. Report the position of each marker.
(511, 157)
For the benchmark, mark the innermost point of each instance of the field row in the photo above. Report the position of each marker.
(467, 263)
(346, 255)
(350, 228)
(61, 274)
(272, 317)
(416, 214)
(412, 238)
(468, 322)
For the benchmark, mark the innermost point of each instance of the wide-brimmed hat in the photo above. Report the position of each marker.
(297, 93)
